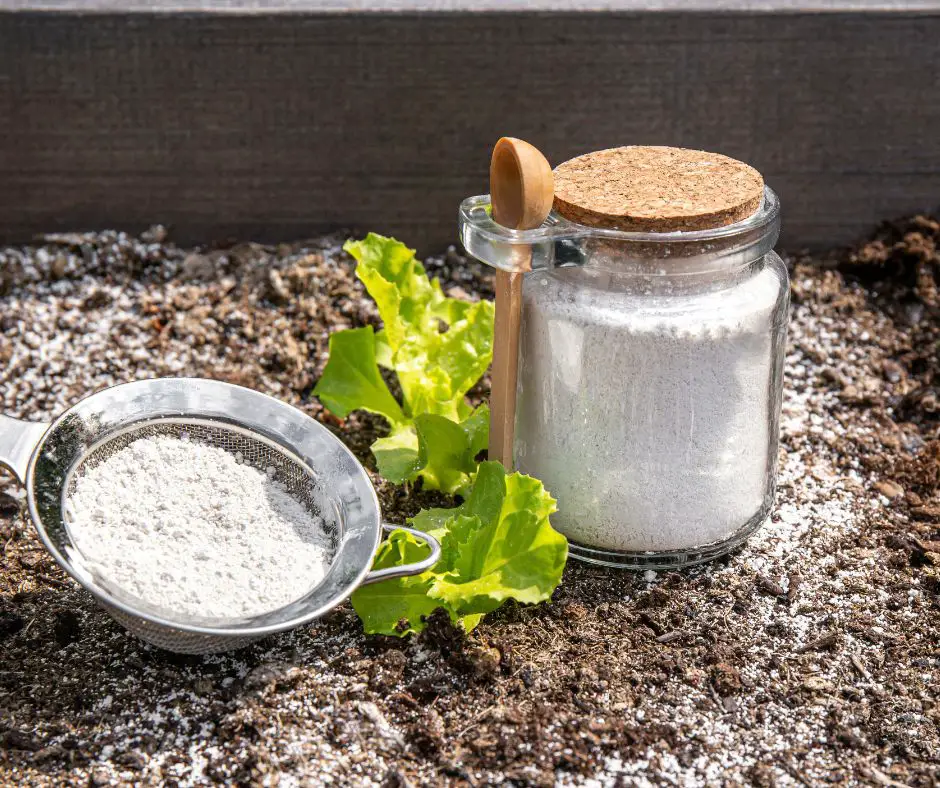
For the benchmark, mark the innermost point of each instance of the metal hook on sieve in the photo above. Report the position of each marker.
(405, 570)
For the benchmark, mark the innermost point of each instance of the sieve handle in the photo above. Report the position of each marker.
(406, 569)
(18, 440)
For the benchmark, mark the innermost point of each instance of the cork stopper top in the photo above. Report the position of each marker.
(656, 189)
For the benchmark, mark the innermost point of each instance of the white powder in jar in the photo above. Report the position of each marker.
(650, 416)
(191, 529)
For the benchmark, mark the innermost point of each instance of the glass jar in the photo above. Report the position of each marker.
(650, 379)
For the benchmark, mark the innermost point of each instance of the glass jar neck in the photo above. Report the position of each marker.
(561, 243)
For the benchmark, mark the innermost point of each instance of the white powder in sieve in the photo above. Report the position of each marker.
(651, 417)
(191, 529)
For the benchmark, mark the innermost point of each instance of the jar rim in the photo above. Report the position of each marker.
(557, 226)
(559, 242)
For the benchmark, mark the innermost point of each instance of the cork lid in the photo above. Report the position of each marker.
(656, 189)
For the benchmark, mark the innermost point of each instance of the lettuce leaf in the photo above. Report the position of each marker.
(447, 450)
(497, 545)
(398, 455)
(351, 379)
(505, 546)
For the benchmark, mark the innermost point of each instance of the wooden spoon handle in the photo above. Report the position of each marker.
(505, 366)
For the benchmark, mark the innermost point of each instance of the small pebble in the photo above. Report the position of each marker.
(889, 489)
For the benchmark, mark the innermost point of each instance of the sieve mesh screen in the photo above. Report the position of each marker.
(295, 477)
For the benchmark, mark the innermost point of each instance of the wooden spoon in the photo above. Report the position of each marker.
(521, 192)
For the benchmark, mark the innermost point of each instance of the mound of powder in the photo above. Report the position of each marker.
(191, 529)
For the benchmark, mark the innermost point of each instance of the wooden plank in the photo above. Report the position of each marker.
(277, 126)
(450, 6)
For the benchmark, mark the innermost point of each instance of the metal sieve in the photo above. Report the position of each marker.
(303, 456)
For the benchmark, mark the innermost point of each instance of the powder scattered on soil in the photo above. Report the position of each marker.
(193, 530)
(809, 657)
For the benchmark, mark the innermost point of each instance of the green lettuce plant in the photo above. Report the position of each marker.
(498, 544)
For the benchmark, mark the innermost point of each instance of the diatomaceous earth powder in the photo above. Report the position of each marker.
(651, 416)
(192, 529)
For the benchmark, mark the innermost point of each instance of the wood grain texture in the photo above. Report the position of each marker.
(275, 127)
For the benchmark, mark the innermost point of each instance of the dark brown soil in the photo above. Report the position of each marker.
(810, 657)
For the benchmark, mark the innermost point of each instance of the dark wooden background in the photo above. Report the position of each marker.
(275, 125)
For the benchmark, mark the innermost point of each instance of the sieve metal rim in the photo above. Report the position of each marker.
(208, 387)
